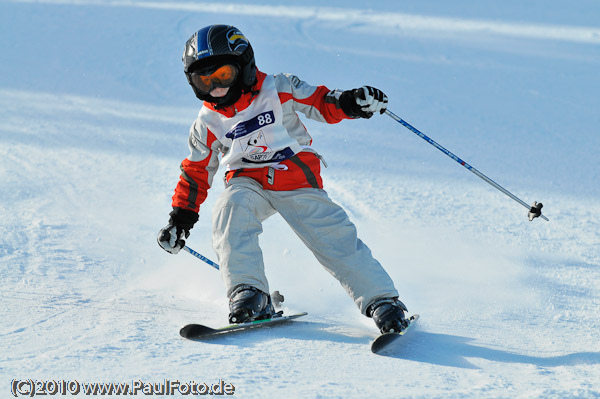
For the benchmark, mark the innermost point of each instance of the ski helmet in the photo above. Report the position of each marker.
(216, 45)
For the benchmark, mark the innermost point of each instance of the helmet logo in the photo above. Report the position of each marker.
(236, 39)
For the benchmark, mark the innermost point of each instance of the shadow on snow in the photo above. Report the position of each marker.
(454, 351)
(419, 346)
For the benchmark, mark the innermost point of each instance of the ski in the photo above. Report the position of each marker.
(200, 332)
(384, 340)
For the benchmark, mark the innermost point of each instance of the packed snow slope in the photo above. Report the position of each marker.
(94, 115)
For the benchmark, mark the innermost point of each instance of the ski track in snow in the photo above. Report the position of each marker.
(393, 22)
(509, 308)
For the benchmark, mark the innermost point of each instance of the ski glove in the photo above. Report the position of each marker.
(172, 237)
(363, 102)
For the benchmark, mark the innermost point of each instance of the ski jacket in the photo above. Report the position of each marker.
(260, 136)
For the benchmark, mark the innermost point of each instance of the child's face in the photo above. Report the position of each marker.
(219, 92)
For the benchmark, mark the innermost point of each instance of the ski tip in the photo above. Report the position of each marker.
(194, 330)
(384, 340)
(184, 332)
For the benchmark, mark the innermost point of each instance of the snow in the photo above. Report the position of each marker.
(94, 114)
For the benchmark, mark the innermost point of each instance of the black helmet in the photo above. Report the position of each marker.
(216, 45)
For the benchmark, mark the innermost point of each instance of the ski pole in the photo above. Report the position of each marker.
(276, 296)
(535, 210)
(201, 257)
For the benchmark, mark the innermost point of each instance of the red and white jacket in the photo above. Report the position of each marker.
(260, 137)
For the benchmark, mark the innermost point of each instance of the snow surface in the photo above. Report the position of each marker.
(94, 114)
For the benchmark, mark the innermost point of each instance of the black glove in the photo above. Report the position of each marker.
(172, 237)
(363, 102)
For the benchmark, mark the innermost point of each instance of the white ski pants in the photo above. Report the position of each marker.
(321, 224)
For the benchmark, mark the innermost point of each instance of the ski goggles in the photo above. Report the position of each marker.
(223, 76)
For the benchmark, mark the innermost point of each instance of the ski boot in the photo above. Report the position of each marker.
(248, 303)
(388, 314)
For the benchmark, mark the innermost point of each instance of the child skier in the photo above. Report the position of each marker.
(250, 119)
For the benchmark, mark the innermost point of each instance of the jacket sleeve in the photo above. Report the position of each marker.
(316, 102)
(197, 170)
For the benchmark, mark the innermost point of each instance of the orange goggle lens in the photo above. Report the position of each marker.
(222, 77)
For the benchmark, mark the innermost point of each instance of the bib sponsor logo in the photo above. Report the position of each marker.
(256, 146)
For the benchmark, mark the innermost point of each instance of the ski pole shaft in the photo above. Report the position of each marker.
(460, 161)
(201, 257)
